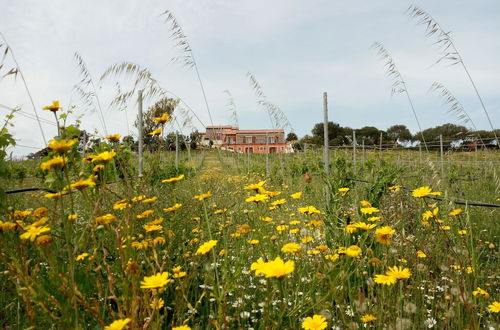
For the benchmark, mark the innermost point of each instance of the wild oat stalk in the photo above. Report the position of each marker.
(276, 116)
(15, 71)
(88, 95)
(142, 80)
(448, 49)
(455, 105)
(398, 85)
(188, 59)
(232, 108)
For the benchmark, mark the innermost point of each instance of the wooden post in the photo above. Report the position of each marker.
(140, 127)
(354, 150)
(267, 156)
(177, 149)
(363, 154)
(441, 153)
(326, 157)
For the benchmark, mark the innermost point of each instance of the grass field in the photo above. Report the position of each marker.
(222, 246)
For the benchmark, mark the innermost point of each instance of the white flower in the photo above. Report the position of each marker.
(430, 322)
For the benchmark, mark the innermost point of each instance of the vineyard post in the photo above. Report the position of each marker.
(441, 154)
(176, 149)
(326, 156)
(267, 156)
(354, 150)
(363, 148)
(139, 119)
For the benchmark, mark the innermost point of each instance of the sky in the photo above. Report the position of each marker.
(296, 49)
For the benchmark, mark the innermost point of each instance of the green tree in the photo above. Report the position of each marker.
(399, 132)
(291, 137)
(337, 135)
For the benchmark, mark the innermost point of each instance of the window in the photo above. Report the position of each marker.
(261, 148)
(270, 140)
(248, 139)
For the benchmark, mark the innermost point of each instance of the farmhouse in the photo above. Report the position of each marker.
(232, 138)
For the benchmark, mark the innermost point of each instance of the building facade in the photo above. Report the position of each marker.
(231, 138)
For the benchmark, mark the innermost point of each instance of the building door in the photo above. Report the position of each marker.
(249, 150)
(272, 150)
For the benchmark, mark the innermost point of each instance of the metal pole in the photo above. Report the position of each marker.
(140, 131)
(176, 149)
(363, 146)
(326, 157)
(441, 152)
(354, 150)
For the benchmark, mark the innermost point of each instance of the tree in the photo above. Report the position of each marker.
(399, 133)
(370, 134)
(336, 134)
(164, 105)
(448, 131)
(194, 139)
(291, 137)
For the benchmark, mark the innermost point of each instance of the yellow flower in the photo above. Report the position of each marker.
(157, 281)
(308, 210)
(155, 132)
(317, 322)
(173, 208)
(83, 183)
(98, 168)
(421, 254)
(291, 248)
(121, 205)
(53, 107)
(364, 226)
(494, 307)
(145, 214)
(72, 217)
(62, 145)
(369, 210)
(150, 200)
(6, 226)
(384, 235)
(422, 192)
(162, 119)
(57, 161)
(306, 239)
(351, 228)
(105, 219)
(279, 202)
(384, 279)
(480, 292)
(367, 318)
(182, 327)
(56, 195)
(206, 247)
(398, 272)
(105, 156)
(430, 214)
(150, 228)
(176, 179)
(365, 203)
(353, 251)
(296, 195)
(274, 268)
(33, 231)
(344, 191)
(82, 256)
(395, 188)
(462, 232)
(113, 137)
(118, 324)
(43, 240)
(257, 198)
(253, 241)
(157, 303)
(374, 218)
(203, 196)
(255, 186)
(456, 212)
(332, 257)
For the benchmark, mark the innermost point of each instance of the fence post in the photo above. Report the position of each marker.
(176, 149)
(267, 156)
(363, 154)
(354, 150)
(326, 157)
(441, 154)
(140, 127)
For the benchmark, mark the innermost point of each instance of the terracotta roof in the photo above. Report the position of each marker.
(247, 131)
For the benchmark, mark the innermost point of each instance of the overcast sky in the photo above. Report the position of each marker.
(296, 49)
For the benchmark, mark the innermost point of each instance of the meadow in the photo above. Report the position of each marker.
(213, 242)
